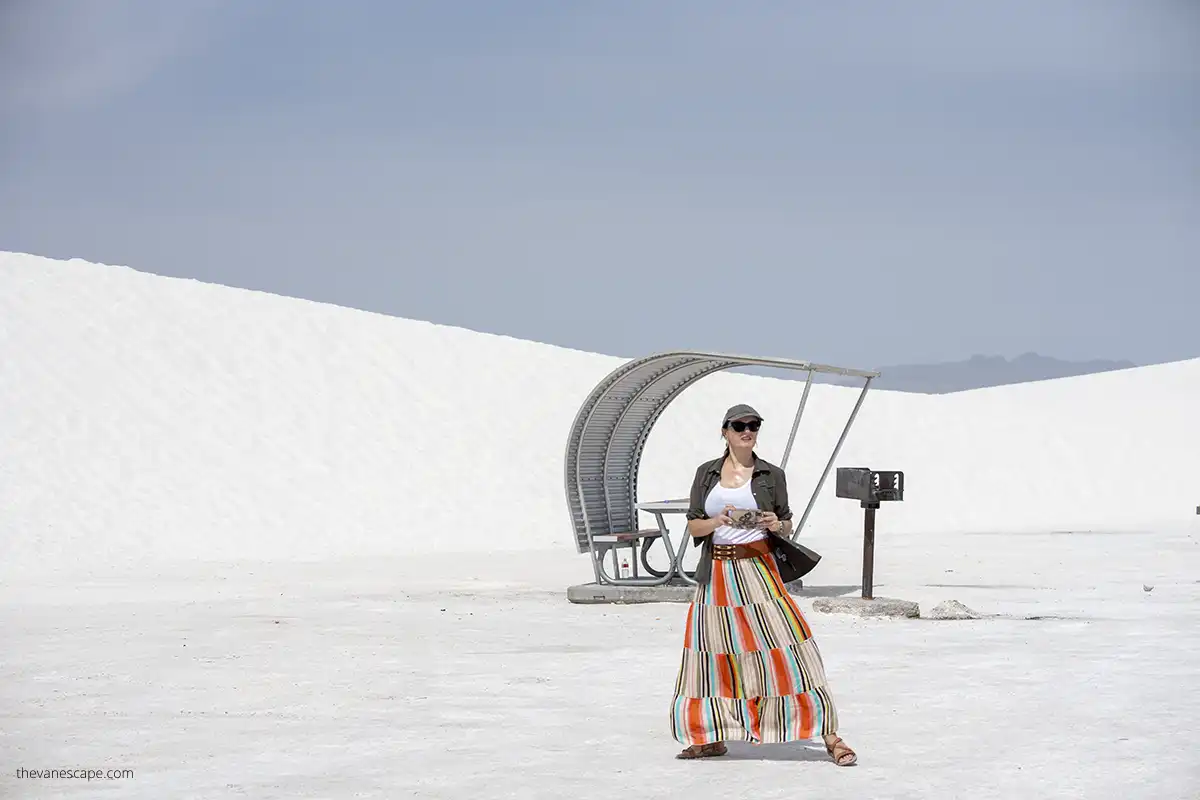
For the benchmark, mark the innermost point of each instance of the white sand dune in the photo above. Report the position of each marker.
(146, 418)
(252, 546)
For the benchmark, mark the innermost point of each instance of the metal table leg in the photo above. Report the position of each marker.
(676, 558)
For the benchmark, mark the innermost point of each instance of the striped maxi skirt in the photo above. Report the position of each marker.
(750, 670)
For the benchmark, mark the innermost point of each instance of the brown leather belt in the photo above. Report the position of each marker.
(731, 552)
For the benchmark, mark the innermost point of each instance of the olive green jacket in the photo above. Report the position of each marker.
(768, 483)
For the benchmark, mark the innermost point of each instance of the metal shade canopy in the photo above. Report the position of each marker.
(606, 441)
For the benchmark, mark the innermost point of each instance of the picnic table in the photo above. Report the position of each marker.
(608, 543)
(658, 508)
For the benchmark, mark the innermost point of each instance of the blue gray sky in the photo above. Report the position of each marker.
(860, 183)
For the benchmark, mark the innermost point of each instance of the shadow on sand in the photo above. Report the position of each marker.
(792, 751)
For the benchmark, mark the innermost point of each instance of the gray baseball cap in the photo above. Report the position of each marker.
(739, 411)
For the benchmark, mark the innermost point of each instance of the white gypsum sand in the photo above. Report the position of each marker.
(227, 563)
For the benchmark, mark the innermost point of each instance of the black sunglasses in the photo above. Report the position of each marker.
(740, 426)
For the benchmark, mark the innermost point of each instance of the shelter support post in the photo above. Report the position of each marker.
(787, 451)
(832, 458)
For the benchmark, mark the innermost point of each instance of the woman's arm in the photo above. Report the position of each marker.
(699, 524)
(699, 528)
(782, 510)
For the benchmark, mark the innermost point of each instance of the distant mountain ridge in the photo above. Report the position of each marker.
(978, 372)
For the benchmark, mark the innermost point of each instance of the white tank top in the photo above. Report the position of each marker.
(741, 497)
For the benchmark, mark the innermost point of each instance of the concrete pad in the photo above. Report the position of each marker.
(859, 607)
(597, 593)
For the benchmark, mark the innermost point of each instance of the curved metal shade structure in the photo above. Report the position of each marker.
(605, 446)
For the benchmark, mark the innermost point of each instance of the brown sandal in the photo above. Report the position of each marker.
(839, 750)
(703, 751)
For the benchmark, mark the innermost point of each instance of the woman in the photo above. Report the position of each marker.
(750, 670)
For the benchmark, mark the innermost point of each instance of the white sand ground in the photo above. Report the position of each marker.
(455, 677)
(227, 564)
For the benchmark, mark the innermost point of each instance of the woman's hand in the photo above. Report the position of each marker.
(723, 517)
(699, 528)
(769, 521)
